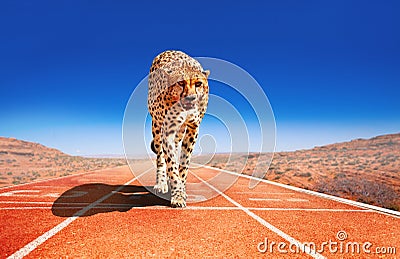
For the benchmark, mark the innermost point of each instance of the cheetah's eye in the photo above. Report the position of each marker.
(198, 84)
(181, 83)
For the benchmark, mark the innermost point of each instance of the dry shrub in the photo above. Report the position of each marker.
(362, 190)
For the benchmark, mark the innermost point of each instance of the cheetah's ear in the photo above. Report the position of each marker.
(206, 73)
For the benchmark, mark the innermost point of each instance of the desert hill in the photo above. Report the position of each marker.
(23, 161)
(366, 170)
(12, 146)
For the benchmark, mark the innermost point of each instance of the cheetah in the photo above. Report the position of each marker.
(177, 101)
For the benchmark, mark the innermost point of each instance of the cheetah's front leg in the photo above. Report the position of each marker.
(188, 143)
(178, 193)
(161, 175)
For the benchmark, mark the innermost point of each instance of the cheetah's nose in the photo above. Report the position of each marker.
(190, 98)
(188, 102)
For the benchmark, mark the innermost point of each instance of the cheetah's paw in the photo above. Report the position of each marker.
(178, 200)
(161, 187)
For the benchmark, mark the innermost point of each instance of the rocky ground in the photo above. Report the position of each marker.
(23, 161)
(365, 170)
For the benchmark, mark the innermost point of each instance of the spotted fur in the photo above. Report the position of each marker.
(177, 102)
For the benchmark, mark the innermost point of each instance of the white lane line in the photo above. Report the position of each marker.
(58, 178)
(47, 180)
(306, 249)
(264, 199)
(297, 200)
(318, 194)
(124, 206)
(16, 193)
(26, 202)
(275, 199)
(269, 193)
(43, 238)
(26, 208)
(47, 186)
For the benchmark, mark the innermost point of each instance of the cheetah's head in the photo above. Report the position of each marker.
(191, 90)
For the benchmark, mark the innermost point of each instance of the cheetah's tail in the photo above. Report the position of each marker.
(153, 148)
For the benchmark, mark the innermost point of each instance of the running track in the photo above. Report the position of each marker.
(109, 214)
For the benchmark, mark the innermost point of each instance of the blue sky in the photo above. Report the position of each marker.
(67, 68)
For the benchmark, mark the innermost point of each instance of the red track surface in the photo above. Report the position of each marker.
(104, 214)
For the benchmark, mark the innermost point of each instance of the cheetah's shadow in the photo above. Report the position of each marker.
(90, 199)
